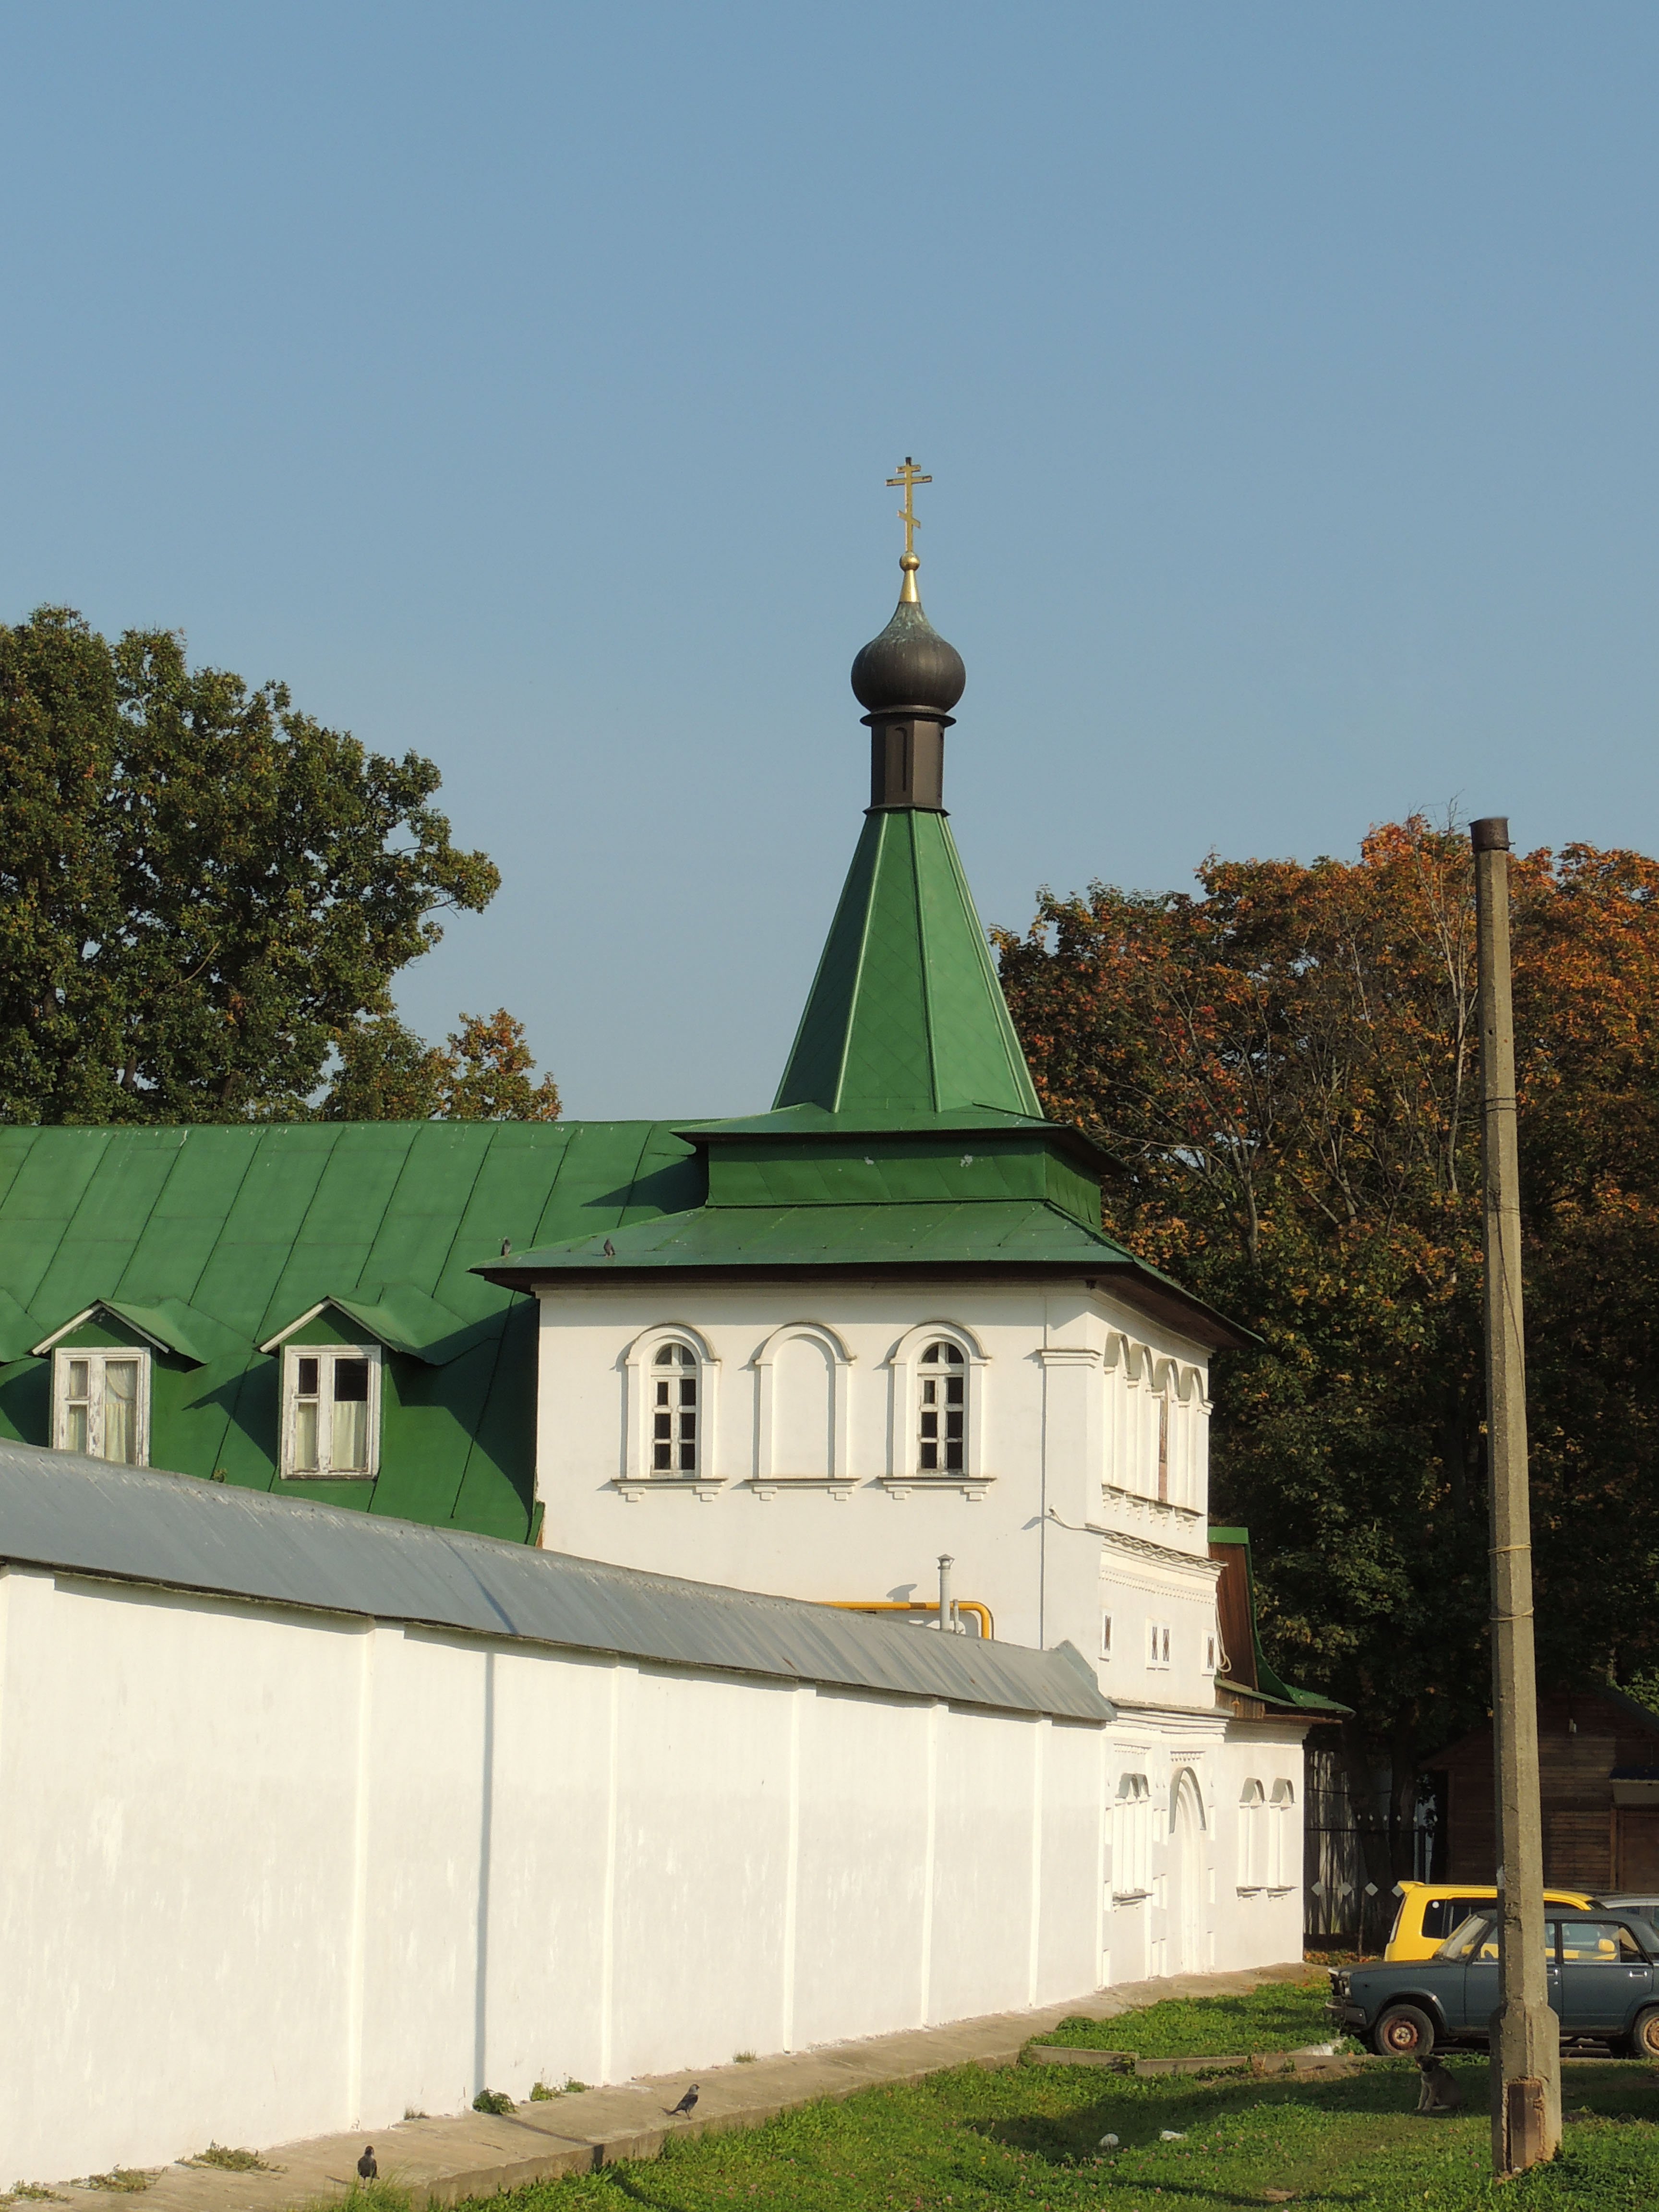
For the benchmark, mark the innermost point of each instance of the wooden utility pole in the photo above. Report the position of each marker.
(1526, 2035)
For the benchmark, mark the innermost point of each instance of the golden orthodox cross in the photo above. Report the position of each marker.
(909, 475)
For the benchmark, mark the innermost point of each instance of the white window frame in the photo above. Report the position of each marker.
(638, 1363)
(768, 1468)
(98, 1358)
(1211, 1651)
(904, 1439)
(292, 1353)
(1252, 1842)
(1158, 1644)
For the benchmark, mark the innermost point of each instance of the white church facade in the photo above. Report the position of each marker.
(892, 1362)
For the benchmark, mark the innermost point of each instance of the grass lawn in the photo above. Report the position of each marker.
(1279, 2016)
(1029, 2137)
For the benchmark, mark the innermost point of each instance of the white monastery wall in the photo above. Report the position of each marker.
(269, 1873)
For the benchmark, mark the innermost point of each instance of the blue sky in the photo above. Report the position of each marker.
(518, 382)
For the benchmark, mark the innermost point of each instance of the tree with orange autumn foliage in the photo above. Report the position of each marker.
(388, 1074)
(1283, 1072)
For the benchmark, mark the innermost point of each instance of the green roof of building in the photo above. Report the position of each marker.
(209, 1242)
(983, 1236)
(906, 1014)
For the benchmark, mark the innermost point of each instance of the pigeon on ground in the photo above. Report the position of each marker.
(366, 2169)
(610, 1249)
(686, 2103)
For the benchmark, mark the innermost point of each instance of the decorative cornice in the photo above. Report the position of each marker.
(1166, 1554)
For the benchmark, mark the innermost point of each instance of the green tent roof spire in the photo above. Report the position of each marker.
(906, 1016)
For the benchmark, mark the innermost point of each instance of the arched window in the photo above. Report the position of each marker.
(675, 1411)
(942, 1410)
(1252, 1811)
(936, 1436)
(1281, 1835)
(671, 1429)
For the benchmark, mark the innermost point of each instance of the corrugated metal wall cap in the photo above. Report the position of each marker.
(84, 1516)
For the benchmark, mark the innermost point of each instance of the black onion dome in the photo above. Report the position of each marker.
(909, 664)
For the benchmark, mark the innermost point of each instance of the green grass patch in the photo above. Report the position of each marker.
(1277, 2016)
(1028, 2140)
(232, 2160)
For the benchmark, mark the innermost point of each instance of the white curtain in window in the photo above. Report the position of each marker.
(121, 1411)
(349, 1444)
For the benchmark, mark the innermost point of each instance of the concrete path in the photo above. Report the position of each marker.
(440, 2161)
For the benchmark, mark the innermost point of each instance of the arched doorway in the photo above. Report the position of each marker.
(1189, 1905)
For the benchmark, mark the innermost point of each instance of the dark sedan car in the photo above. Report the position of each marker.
(1602, 1987)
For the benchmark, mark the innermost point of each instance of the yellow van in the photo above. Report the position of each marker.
(1429, 1911)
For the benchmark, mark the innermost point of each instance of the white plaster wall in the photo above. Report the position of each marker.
(862, 1916)
(1262, 1921)
(267, 1875)
(1066, 1417)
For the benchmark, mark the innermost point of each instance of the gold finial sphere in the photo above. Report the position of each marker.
(910, 561)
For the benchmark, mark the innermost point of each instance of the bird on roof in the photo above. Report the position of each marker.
(687, 2101)
(506, 1246)
(610, 1249)
(366, 2169)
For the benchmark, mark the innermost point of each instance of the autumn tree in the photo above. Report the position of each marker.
(388, 1074)
(1283, 1071)
(201, 887)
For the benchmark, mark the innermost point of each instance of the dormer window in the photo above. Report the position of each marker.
(330, 1412)
(101, 1403)
(674, 1410)
(942, 1402)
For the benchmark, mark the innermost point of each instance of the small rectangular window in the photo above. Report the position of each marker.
(330, 1412)
(100, 1404)
(1105, 1635)
(1209, 1654)
(1158, 1644)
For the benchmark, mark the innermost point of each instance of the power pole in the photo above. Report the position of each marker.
(1526, 2035)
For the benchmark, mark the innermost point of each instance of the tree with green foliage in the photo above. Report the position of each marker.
(387, 1074)
(202, 888)
(1283, 1072)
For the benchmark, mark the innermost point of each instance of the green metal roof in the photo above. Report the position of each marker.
(982, 1236)
(212, 1240)
(906, 1014)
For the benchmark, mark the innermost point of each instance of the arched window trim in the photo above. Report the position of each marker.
(638, 1475)
(1142, 1427)
(904, 1362)
(1252, 1841)
(1186, 1774)
(1132, 1838)
(1281, 1831)
(767, 1469)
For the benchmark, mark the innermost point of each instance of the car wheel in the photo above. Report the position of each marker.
(1644, 2035)
(1405, 2031)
